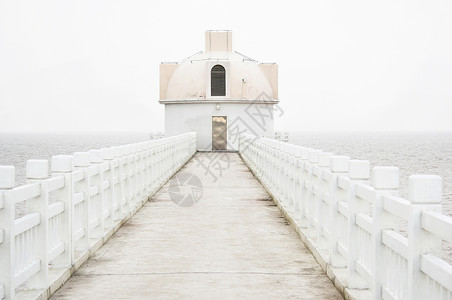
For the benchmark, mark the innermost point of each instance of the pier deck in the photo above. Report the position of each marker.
(233, 243)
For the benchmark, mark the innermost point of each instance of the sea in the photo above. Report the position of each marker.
(16, 149)
(412, 152)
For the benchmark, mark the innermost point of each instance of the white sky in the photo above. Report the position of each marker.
(343, 65)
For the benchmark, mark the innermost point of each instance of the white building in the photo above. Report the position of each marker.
(219, 93)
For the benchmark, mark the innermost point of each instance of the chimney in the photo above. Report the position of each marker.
(218, 40)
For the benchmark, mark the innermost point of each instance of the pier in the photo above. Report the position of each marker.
(273, 220)
(233, 243)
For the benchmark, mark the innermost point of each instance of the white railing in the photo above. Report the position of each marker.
(364, 235)
(72, 210)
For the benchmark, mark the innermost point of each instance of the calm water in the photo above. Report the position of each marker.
(16, 149)
(413, 153)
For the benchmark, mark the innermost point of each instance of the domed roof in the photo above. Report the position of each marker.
(242, 79)
(190, 79)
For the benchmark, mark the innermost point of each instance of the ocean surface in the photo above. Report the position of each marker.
(413, 153)
(16, 149)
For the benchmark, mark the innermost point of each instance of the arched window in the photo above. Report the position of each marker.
(218, 81)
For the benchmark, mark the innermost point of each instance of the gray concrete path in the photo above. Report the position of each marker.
(233, 243)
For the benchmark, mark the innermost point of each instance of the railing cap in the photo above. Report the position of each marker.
(339, 163)
(62, 163)
(107, 153)
(297, 151)
(425, 189)
(305, 152)
(37, 169)
(385, 178)
(7, 177)
(314, 156)
(81, 159)
(325, 159)
(116, 151)
(96, 156)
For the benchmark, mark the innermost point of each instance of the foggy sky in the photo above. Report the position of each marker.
(343, 65)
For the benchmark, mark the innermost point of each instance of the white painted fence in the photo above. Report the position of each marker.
(75, 208)
(350, 216)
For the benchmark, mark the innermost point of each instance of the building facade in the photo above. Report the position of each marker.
(219, 93)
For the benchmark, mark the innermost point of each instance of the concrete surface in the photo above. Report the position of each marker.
(233, 243)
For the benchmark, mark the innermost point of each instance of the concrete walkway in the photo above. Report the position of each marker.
(233, 243)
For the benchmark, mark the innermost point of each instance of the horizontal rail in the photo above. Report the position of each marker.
(55, 183)
(78, 175)
(55, 209)
(343, 183)
(27, 192)
(438, 224)
(364, 221)
(78, 198)
(397, 206)
(364, 191)
(31, 270)
(56, 251)
(437, 269)
(396, 242)
(26, 222)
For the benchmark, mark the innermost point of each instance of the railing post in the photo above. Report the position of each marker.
(109, 195)
(385, 180)
(81, 162)
(36, 172)
(303, 177)
(153, 167)
(119, 192)
(96, 161)
(63, 165)
(297, 189)
(312, 199)
(128, 155)
(147, 172)
(323, 193)
(359, 172)
(292, 179)
(7, 214)
(339, 166)
(424, 193)
(278, 173)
